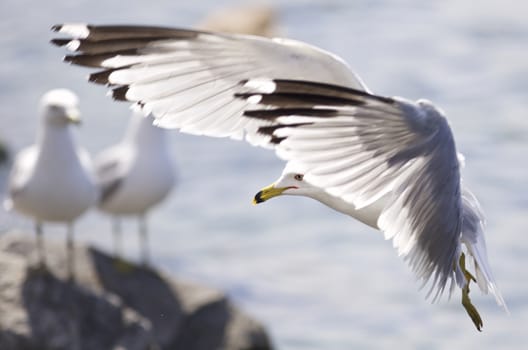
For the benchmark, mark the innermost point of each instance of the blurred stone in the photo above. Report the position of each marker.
(40, 311)
(112, 305)
(248, 19)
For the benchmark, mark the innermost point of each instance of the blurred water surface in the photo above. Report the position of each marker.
(318, 280)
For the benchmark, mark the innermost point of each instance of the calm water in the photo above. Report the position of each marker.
(317, 279)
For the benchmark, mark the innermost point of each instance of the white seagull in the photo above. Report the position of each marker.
(134, 176)
(387, 161)
(52, 180)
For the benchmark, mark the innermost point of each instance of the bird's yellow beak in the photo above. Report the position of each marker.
(267, 193)
(74, 116)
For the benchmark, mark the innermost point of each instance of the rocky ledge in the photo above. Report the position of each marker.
(111, 305)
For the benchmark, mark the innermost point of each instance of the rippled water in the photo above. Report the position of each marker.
(318, 280)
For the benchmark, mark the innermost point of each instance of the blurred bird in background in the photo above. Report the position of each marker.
(134, 176)
(138, 173)
(52, 180)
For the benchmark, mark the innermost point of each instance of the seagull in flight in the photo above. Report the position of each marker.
(389, 162)
(53, 180)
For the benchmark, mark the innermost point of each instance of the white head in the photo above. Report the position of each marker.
(291, 182)
(59, 107)
(294, 182)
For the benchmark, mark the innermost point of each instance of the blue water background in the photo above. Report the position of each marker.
(317, 279)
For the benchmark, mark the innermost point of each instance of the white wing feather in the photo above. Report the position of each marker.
(359, 147)
(187, 79)
(362, 148)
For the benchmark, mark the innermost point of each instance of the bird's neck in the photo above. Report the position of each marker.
(367, 215)
(56, 141)
(142, 132)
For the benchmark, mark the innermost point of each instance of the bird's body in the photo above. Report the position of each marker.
(387, 161)
(52, 181)
(368, 215)
(31, 195)
(136, 174)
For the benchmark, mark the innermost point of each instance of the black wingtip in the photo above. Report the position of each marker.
(101, 77)
(68, 58)
(60, 42)
(56, 27)
(119, 94)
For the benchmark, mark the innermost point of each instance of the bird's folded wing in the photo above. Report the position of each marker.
(362, 147)
(110, 169)
(23, 168)
(187, 78)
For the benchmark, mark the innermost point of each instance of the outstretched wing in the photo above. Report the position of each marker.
(363, 147)
(356, 145)
(187, 78)
(473, 238)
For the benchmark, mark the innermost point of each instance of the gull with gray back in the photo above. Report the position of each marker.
(52, 180)
(134, 176)
(387, 161)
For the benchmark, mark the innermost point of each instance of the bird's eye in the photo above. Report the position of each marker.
(298, 177)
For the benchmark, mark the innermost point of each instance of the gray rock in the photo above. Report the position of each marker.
(41, 311)
(111, 305)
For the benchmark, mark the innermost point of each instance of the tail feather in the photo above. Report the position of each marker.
(473, 239)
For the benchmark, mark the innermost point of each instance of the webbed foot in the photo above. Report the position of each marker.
(466, 301)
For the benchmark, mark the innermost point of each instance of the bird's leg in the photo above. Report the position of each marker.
(466, 301)
(117, 238)
(41, 256)
(70, 253)
(119, 263)
(144, 240)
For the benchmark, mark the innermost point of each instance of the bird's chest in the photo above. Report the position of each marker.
(58, 190)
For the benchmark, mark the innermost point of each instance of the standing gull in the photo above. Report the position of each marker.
(387, 161)
(134, 176)
(52, 180)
